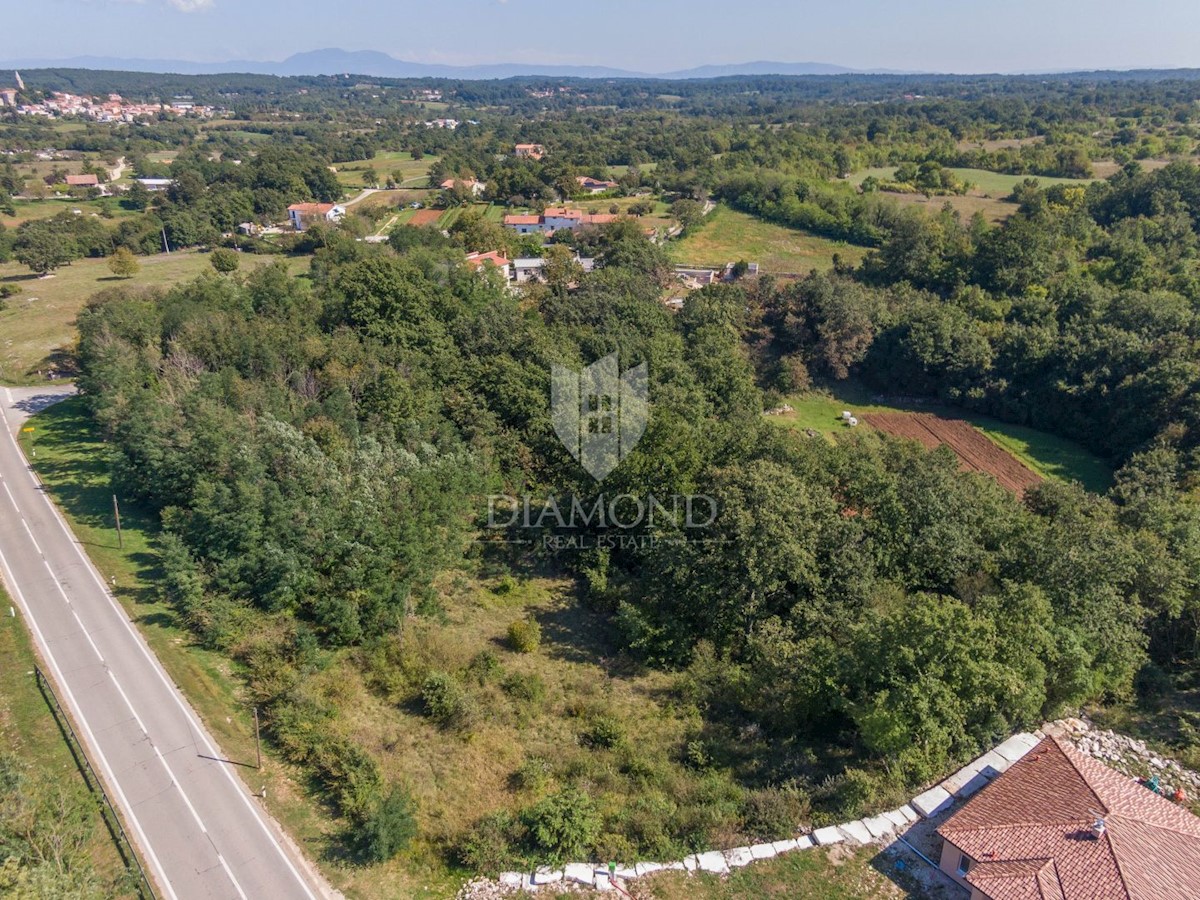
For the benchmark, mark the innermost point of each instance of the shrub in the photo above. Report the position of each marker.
(604, 732)
(525, 635)
(489, 847)
(856, 790)
(225, 261)
(564, 825)
(390, 827)
(484, 667)
(506, 585)
(444, 699)
(696, 755)
(775, 812)
(528, 688)
(534, 773)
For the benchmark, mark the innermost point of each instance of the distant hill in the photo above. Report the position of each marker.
(381, 65)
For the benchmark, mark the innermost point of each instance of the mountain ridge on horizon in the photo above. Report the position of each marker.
(373, 63)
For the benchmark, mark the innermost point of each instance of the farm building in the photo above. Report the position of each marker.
(83, 181)
(1060, 824)
(302, 215)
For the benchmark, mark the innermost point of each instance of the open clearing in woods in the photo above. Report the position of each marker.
(1046, 455)
(728, 235)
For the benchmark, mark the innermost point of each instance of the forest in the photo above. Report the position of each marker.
(859, 616)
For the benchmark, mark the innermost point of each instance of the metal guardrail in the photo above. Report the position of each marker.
(142, 883)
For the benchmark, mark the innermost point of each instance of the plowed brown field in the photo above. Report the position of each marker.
(974, 451)
(426, 216)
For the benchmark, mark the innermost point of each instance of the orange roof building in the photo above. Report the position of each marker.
(494, 257)
(470, 184)
(554, 218)
(530, 151)
(1059, 825)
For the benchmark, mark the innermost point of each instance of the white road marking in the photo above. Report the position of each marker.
(156, 666)
(94, 747)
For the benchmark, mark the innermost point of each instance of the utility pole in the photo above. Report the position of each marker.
(117, 515)
(257, 742)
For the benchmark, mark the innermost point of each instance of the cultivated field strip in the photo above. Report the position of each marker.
(975, 452)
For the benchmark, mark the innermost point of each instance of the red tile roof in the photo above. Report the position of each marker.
(522, 220)
(1030, 833)
(83, 180)
(562, 212)
(478, 260)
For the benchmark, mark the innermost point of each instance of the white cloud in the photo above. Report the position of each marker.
(191, 5)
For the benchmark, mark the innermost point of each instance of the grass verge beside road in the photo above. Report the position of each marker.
(31, 736)
(71, 460)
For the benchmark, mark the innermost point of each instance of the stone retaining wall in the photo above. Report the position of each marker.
(880, 829)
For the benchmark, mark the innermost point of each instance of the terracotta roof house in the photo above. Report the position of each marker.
(523, 224)
(83, 181)
(475, 187)
(556, 217)
(595, 185)
(494, 258)
(530, 151)
(1059, 825)
(301, 214)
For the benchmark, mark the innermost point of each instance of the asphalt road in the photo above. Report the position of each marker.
(195, 821)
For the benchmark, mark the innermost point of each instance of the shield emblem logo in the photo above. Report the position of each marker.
(600, 413)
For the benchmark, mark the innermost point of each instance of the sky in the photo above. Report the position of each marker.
(642, 35)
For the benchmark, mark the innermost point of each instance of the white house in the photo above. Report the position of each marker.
(303, 214)
(529, 268)
(155, 184)
(481, 261)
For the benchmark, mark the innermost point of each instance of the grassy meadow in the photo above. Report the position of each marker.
(28, 210)
(836, 873)
(37, 325)
(413, 172)
(728, 235)
(986, 195)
